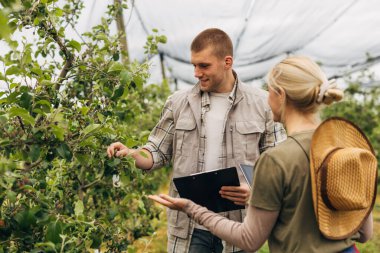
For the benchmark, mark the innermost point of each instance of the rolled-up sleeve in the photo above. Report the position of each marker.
(160, 141)
(274, 133)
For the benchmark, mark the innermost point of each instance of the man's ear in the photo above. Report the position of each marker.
(228, 61)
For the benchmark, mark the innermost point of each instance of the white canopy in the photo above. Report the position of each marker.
(342, 35)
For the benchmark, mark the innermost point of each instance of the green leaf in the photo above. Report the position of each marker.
(11, 195)
(75, 44)
(45, 246)
(5, 31)
(112, 212)
(4, 142)
(131, 143)
(23, 114)
(53, 231)
(58, 132)
(100, 116)
(13, 44)
(126, 180)
(35, 152)
(27, 57)
(125, 77)
(25, 100)
(84, 110)
(97, 240)
(118, 92)
(58, 12)
(29, 188)
(37, 71)
(14, 85)
(102, 36)
(90, 129)
(113, 162)
(89, 142)
(44, 105)
(36, 21)
(131, 249)
(143, 154)
(25, 219)
(116, 67)
(46, 83)
(79, 207)
(64, 151)
(83, 159)
(3, 119)
(13, 70)
(138, 81)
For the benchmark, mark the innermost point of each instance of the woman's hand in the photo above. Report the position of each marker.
(173, 203)
(237, 194)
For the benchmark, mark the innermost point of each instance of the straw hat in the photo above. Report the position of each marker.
(344, 177)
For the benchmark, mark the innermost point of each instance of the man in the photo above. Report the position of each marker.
(218, 123)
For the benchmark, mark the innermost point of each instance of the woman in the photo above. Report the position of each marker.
(281, 206)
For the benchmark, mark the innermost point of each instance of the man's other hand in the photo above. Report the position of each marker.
(237, 194)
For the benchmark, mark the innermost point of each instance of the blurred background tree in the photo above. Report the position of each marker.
(361, 105)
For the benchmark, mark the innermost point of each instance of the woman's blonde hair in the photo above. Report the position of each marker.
(305, 85)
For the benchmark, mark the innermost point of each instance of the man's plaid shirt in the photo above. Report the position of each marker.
(161, 140)
(180, 137)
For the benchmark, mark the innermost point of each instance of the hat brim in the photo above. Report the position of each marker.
(332, 133)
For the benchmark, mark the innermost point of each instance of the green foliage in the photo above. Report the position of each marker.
(65, 102)
(152, 42)
(5, 30)
(361, 105)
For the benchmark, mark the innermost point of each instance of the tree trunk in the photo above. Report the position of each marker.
(121, 31)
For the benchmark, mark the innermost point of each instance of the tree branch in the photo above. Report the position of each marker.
(21, 123)
(69, 58)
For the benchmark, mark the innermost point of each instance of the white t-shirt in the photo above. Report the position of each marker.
(214, 124)
(214, 120)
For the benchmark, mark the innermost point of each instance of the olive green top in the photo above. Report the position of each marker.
(282, 183)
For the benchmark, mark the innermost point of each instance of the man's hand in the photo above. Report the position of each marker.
(144, 159)
(117, 149)
(237, 194)
(173, 203)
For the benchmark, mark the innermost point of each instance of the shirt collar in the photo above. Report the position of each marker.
(231, 97)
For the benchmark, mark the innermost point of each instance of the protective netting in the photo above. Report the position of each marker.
(342, 35)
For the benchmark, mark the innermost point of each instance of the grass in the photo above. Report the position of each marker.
(157, 242)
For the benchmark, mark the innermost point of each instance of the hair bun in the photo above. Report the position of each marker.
(332, 93)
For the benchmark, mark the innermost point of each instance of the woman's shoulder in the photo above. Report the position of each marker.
(290, 149)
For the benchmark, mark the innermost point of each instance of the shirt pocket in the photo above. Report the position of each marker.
(185, 136)
(172, 215)
(246, 139)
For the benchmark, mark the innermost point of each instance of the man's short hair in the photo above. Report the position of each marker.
(215, 38)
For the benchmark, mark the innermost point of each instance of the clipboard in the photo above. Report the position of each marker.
(203, 188)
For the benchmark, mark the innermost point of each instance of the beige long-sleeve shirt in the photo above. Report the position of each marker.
(256, 228)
